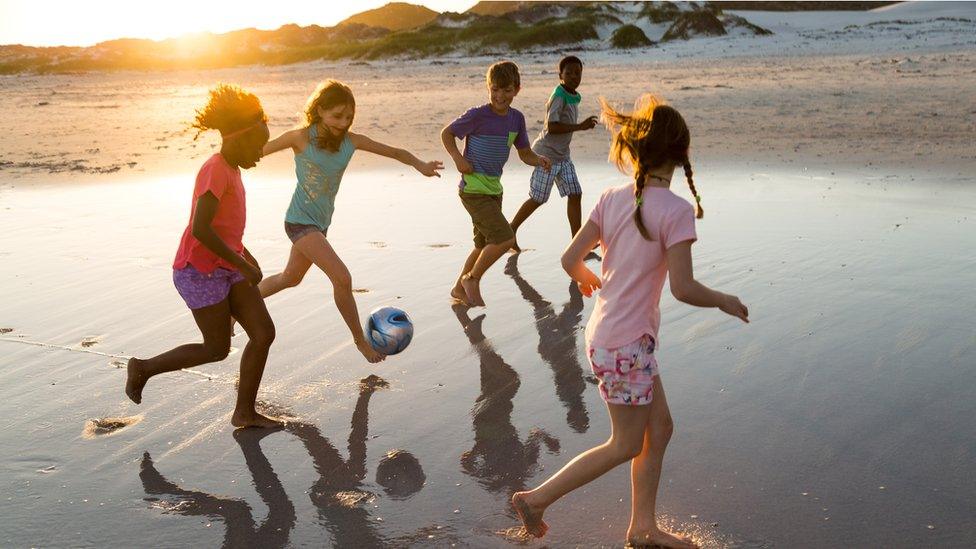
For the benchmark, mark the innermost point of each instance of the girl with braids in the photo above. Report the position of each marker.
(323, 148)
(213, 271)
(646, 232)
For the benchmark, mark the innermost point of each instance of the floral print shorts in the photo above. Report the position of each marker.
(626, 374)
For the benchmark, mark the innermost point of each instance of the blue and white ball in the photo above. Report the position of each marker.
(389, 330)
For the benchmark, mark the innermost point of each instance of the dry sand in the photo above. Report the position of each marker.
(838, 417)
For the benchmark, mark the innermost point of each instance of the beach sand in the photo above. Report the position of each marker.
(839, 416)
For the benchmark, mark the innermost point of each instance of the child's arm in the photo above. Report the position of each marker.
(560, 127)
(450, 145)
(291, 138)
(203, 231)
(366, 144)
(528, 156)
(572, 259)
(685, 288)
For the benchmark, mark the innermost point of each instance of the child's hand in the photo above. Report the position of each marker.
(589, 123)
(545, 163)
(732, 306)
(463, 165)
(252, 273)
(589, 283)
(430, 168)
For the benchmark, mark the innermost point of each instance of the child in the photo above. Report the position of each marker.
(562, 110)
(646, 232)
(213, 271)
(323, 148)
(489, 131)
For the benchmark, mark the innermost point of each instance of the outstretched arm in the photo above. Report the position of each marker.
(686, 289)
(291, 138)
(364, 143)
(572, 259)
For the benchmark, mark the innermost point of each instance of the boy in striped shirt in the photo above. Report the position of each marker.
(489, 132)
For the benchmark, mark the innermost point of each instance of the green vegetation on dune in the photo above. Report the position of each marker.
(629, 36)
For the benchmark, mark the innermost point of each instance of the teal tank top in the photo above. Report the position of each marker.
(319, 173)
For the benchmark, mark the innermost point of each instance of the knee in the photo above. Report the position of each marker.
(264, 336)
(342, 281)
(290, 280)
(217, 352)
(661, 431)
(626, 449)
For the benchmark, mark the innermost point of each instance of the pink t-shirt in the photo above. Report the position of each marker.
(224, 181)
(634, 269)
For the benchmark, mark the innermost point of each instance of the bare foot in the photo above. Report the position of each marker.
(369, 353)
(255, 419)
(135, 380)
(472, 287)
(659, 538)
(457, 292)
(530, 516)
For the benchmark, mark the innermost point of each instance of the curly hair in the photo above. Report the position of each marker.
(229, 109)
(651, 136)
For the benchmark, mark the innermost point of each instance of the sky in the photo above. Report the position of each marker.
(87, 22)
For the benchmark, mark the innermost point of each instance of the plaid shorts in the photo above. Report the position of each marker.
(563, 174)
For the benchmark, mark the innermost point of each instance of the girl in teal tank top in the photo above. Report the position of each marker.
(323, 148)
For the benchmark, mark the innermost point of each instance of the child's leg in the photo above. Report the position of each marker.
(213, 322)
(645, 475)
(626, 441)
(317, 249)
(248, 308)
(528, 207)
(574, 212)
(293, 274)
(457, 292)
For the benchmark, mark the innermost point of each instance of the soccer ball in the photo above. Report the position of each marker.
(389, 330)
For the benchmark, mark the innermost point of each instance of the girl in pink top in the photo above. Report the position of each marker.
(646, 232)
(213, 272)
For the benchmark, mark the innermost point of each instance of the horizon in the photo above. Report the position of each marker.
(27, 24)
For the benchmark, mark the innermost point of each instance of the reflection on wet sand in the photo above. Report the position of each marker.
(557, 344)
(339, 494)
(500, 460)
(235, 513)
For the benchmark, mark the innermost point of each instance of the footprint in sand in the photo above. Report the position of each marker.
(89, 342)
(6, 330)
(377, 244)
(360, 290)
(435, 246)
(108, 425)
(118, 364)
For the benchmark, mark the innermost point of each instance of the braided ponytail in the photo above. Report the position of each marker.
(699, 212)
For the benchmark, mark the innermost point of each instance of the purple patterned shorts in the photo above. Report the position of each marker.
(626, 373)
(201, 290)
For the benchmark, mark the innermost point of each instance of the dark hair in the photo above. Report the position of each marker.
(504, 74)
(327, 95)
(568, 60)
(653, 135)
(229, 109)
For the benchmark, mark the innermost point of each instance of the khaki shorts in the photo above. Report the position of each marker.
(490, 225)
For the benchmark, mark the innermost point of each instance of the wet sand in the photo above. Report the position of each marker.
(836, 417)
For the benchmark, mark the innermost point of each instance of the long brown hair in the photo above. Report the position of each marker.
(653, 135)
(327, 95)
